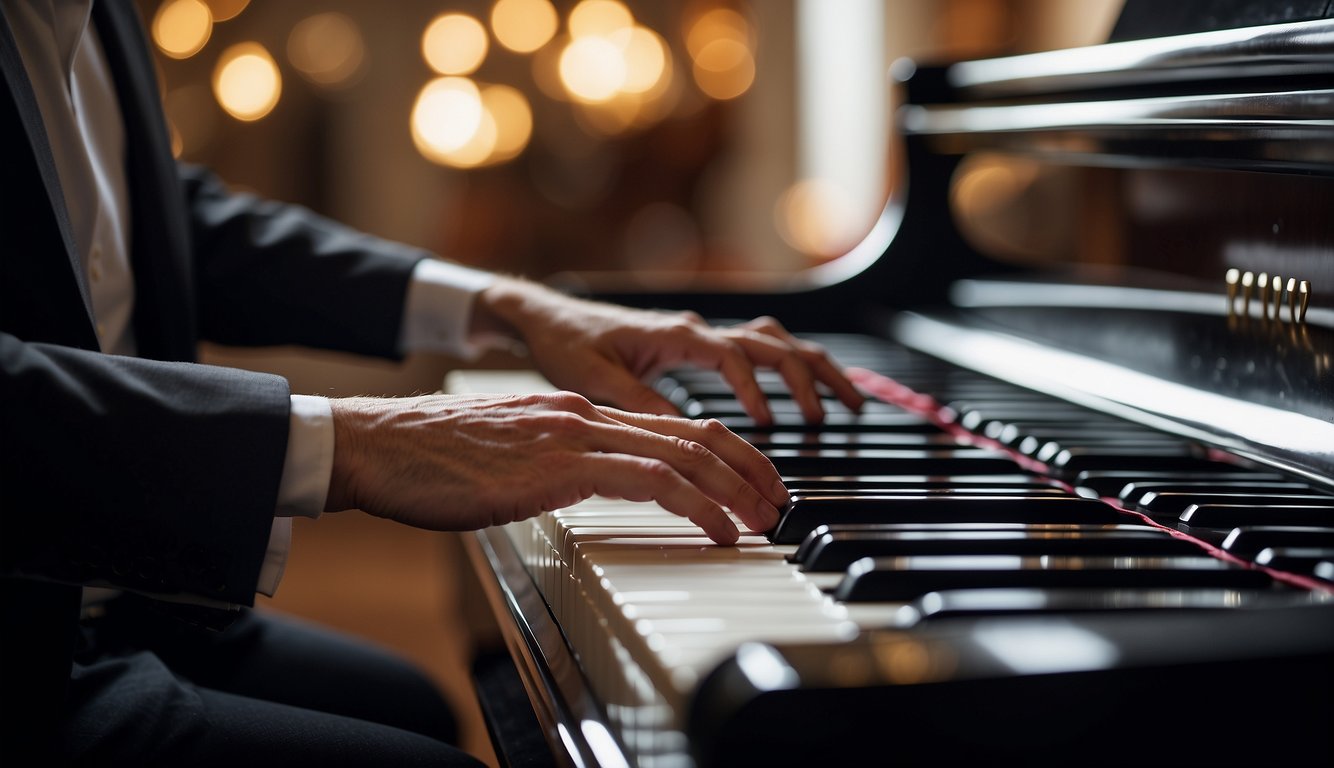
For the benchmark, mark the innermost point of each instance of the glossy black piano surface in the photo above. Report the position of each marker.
(1091, 519)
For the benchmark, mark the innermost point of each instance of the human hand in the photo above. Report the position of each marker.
(607, 352)
(462, 462)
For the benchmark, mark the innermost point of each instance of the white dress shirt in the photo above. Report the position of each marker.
(67, 67)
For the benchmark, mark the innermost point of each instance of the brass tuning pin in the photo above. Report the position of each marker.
(1269, 291)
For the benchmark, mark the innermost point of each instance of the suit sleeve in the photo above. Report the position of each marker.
(275, 273)
(154, 476)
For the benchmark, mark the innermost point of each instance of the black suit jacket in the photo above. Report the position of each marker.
(153, 473)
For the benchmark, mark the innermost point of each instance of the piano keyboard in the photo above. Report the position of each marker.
(980, 502)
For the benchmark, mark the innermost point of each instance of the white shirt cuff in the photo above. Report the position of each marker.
(275, 557)
(438, 309)
(308, 465)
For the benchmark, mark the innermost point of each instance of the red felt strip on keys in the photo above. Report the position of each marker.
(890, 391)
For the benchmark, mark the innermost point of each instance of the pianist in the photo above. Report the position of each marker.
(127, 466)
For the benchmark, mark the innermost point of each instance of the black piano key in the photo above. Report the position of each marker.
(1030, 489)
(1234, 515)
(1170, 504)
(804, 513)
(973, 603)
(720, 408)
(803, 552)
(1132, 492)
(1049, 450)
(1071, 461)
(780, 440)
(885, 461)
(1012, 433)
(838, 548)
(1294, 559)
(1246, 542)
(835, 422)
(1109, 482)
(907, 578)
(1012, 481)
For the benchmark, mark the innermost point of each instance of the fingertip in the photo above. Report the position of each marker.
(760, 411)
(765, 517)
(725, 534)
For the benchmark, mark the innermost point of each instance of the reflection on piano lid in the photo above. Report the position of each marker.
(1030, 550)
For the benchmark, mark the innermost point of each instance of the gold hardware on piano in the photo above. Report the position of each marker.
(1269, 292)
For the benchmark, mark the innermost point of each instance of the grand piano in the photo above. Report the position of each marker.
(1089, 516)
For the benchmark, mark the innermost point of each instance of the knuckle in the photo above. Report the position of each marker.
(657, 471)
(571, 401)
(564, 422)
(692, 450)
(713, 428)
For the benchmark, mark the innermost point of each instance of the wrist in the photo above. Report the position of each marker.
(503, 308)
(348, 421)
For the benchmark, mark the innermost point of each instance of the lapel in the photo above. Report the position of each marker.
(25, 102)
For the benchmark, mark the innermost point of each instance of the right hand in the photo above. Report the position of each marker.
(463, 462)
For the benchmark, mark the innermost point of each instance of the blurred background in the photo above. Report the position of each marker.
(667, 140)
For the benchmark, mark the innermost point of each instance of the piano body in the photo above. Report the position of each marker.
(1089, 519)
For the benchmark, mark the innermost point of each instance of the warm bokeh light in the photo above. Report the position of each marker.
(645, 55)
(717, 24)
(326, 48)
(513, 119)
(246, 81)
(182, 27)
(454, 44)
(225, 10)
(599, 18)
(446, 117)
(813, 217)
(523, 26)
(724, 69)
(479, 148)
(592, 69)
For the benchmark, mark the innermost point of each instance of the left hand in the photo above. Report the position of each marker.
(607, 352)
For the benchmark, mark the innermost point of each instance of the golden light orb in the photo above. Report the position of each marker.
(246, 81)
(717, 24)
(446, 117)
(513, 120)
(326, 48)
(478, 150)
(645, 55)
(182, 27)
(225, 10)
(724, 69)
(454, 44)
(599, 18)
(592, 69)
(523, 26)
